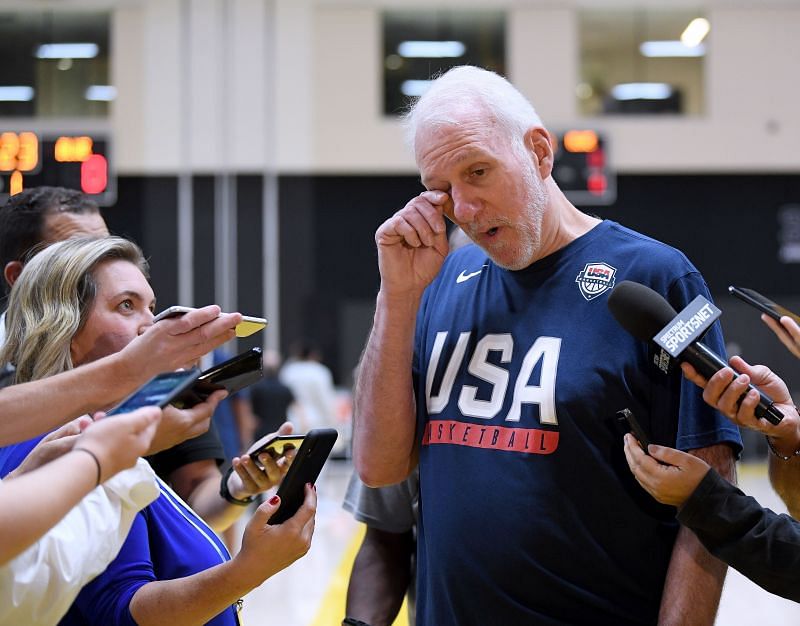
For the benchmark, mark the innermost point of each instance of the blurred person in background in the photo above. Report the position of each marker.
(271, 400)
(234, 423)
(80, 300)
(311, 383)
(384, 569)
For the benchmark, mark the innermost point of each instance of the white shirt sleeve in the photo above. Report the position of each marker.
(39, 585)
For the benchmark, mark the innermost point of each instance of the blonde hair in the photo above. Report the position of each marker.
(51, 300)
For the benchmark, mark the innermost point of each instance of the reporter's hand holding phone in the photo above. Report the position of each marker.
(269, 548)
(248, 478)
(723, 392)
(787, 331)
(173, 343)
(178, 425)
(669, 475)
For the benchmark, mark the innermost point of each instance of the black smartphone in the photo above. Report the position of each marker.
(762, 303)
(232, 375)
(158, 391)
(626, 417)
(305, 468)
(274, 445)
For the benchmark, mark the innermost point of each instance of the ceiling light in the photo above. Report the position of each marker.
(16, 93)
(414, 88)
(695, 32)
(101, 93)
(67, 51)
(431, 49)
(671, 49)
(641, 91)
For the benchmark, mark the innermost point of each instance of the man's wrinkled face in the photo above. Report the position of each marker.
(498, 198)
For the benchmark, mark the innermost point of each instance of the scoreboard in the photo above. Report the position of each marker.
(81, 161)
(581, 168)
(76, 161)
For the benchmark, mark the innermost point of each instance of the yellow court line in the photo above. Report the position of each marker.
(753, 469)
(331, 609)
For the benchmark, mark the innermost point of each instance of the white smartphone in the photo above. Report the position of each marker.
(245, 328)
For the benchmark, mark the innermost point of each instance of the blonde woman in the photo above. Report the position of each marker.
(81, 300)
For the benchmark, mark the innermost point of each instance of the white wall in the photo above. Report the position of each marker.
(295, 85)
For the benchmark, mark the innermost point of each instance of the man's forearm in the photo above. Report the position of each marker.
(384, 411)
(694, 579)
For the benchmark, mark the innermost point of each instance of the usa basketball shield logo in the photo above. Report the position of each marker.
(595, 279)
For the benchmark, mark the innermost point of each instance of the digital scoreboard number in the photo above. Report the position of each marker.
(79, 161)
(581, 168)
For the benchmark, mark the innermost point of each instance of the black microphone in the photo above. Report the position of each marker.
(644, 313)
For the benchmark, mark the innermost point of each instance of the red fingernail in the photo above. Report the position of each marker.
(274, 500)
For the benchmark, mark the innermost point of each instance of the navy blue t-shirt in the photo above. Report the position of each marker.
(529, 513)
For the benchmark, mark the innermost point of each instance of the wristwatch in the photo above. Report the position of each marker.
(351, 621)
(223, 491)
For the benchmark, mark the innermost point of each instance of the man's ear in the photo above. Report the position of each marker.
(11, 272)
(539, 142)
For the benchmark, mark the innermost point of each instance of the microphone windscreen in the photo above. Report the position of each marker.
(640, 310)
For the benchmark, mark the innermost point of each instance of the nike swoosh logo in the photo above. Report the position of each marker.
(463, 276)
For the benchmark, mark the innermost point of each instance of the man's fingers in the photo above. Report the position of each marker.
(435, 197)
(691, 374)
(668, 456)
(193, 319)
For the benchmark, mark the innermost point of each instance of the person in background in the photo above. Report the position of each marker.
(233, 419)
(496, 368)
(311, 383)
(78, 301)
(37, 217)
(234, 423)
(272, 401)
(384, 571)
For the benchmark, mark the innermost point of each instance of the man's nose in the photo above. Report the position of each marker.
(465, 204)
(147, 322)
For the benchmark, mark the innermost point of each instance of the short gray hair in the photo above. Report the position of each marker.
(471, 87)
